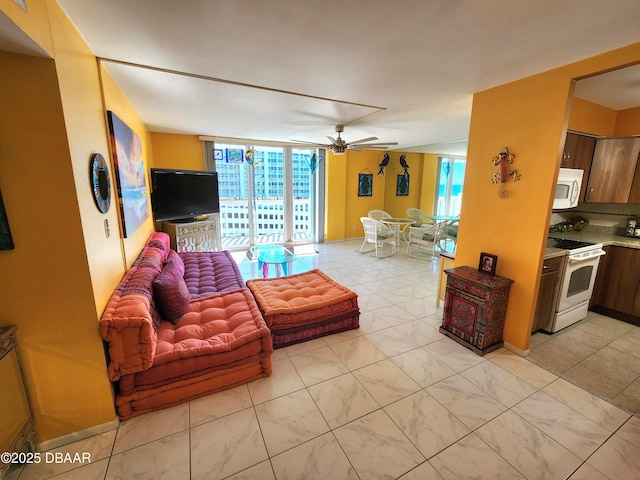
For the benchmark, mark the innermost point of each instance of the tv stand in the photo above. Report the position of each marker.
(194, 235)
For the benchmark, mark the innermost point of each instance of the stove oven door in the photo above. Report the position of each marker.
(577, 284)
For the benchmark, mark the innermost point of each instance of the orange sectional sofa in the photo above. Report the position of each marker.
(181, 326)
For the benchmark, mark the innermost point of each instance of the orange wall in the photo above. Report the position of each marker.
(530, 117)
(589, 117)
(627, 122)
(177, 151)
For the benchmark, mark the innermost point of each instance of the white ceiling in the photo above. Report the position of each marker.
(403, 71)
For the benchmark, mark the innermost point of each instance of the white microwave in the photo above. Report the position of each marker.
(568, 188)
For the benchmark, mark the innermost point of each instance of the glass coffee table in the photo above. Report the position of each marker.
(272, 255)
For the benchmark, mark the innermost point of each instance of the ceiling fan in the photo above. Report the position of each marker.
(339, 146)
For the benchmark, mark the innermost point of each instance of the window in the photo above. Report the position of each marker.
(450, 181)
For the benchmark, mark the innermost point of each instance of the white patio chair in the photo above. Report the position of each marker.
(425, 239)
(377, 234)
(419, 216)
(449, 237)
(378, 214)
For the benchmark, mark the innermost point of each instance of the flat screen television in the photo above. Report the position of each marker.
(183, 195)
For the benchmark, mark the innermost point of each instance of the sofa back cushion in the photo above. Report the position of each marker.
(171, 293)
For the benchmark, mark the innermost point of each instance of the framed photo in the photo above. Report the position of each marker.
(402, 187)
(235, 155)
(365, 184)
(218, 154)
(488, 263)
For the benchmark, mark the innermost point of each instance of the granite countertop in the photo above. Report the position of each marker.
(595, 235)
(592, 234)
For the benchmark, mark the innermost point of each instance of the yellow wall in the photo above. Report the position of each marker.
(529, 117)
(397, 205)
(46, 286)
(177, 151)
(118, 104)
(428, 187)
(64, 268)
(33, 22)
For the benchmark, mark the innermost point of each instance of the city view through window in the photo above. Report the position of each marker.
(267, 194)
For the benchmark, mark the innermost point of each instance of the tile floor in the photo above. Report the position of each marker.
(393, 399)
(599, 353)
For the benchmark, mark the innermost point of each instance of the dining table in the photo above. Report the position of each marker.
(398, 225)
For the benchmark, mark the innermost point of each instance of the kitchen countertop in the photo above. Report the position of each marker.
(595, 236)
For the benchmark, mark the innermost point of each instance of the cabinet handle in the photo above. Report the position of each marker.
(589, 195)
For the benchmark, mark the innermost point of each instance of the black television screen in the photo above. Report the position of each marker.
(183, 194)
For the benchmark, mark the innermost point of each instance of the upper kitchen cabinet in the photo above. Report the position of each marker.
(578, 153)
(612, 170)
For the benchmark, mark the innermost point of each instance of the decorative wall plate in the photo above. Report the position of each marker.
(100, 182)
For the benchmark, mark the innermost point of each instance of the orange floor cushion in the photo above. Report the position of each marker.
(304, 306)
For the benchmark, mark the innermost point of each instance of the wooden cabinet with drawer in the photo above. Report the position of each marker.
(475, 308)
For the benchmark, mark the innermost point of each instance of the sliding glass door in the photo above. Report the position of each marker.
(267, 194)
(450, 182)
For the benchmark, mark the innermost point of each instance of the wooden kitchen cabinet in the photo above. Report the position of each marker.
(617, 287)
(612, 170)
(578, 153)
(548, 292)
(475, 308)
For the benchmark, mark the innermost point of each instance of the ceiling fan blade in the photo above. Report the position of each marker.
(367, 145)
(333, 140)
(370, 139)
(307, 142)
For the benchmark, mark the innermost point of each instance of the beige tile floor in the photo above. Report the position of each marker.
(599, 353)
(393, 399)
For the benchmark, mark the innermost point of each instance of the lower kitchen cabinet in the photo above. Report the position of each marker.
(475, 308)
(617, 288)
(548, 292)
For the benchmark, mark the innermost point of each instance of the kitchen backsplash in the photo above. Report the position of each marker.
(602, 217)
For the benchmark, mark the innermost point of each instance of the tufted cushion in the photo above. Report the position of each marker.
(219, 324)
(301, 299)
(209, 273)
(171, 293)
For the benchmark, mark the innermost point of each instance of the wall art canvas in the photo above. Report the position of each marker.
(402, 187)
(6, 241)
(130, 176)
(365, 184)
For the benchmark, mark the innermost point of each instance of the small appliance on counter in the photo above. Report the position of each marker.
(633, 227)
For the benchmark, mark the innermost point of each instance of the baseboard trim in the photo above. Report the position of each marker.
(77, 436)
(517, 351)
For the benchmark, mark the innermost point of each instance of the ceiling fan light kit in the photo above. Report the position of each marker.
(338, 146)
